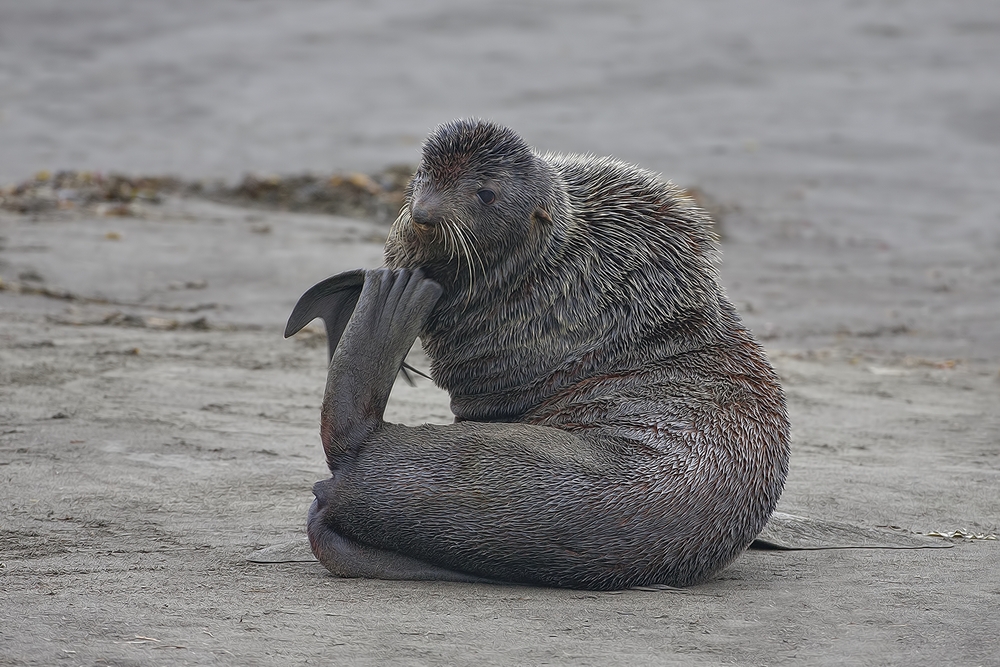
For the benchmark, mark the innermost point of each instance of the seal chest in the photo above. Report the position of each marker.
(617, 424)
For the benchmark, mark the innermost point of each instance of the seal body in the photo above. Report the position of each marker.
(616, 424)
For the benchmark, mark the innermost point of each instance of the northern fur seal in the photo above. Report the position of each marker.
(616, 424)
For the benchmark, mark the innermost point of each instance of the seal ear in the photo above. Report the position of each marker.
(332, 300)
(541, 216)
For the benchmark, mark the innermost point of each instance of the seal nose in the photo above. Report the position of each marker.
(421, 216)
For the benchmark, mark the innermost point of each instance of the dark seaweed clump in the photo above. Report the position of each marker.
(376, 196)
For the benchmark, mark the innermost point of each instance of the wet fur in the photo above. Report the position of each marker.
(618, 425)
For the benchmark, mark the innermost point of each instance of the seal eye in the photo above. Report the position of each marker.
(486, 196)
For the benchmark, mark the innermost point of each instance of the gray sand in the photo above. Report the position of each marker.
(155, 428)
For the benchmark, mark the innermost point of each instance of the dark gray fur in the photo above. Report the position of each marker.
(617, 425)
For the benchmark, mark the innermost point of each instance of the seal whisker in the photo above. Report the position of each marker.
(472, 246)
(455, 255)
(444, 233)
(466, 250)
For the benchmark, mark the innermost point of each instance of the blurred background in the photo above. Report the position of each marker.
(699, 89)
(853, 144)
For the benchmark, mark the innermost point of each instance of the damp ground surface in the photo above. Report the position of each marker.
(155, 428)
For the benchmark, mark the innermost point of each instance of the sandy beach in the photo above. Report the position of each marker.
(155, 428)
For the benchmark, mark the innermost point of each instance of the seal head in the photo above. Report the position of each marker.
(479, 200)
(575, 263)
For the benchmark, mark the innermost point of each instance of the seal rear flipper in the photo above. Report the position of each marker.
(332, 300)
(348, 558)
(788, 532)
(294, 551)
(388, 315)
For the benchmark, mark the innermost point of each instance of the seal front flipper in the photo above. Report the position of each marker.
(788, 532)
(332, 300)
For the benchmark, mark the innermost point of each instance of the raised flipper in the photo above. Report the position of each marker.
(388, 315)
(333, 300)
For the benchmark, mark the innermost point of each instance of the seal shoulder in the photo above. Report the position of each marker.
(607, 190)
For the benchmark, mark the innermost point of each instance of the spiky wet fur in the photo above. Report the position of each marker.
(586, 299)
